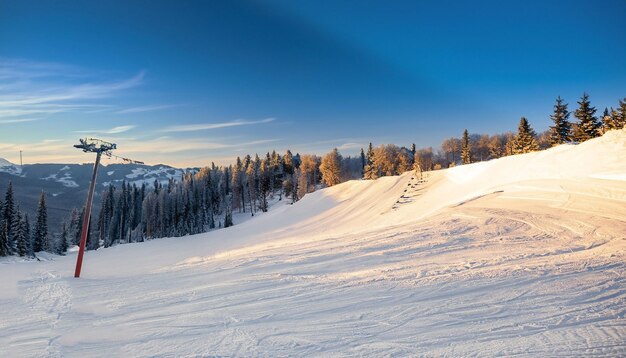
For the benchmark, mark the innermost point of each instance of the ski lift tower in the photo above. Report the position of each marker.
(90, 145)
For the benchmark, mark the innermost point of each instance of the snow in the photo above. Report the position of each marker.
(65, 180)
(523, 256)
(142, 175)
(8, 167)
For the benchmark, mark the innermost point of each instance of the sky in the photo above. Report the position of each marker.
(187, 83)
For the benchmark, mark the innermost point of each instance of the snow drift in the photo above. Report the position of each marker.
(523, 255)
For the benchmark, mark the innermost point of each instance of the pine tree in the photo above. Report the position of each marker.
(363, 162)
(371, 172)
(588, 125)
(24, 241)
(62, 244)
(466, 154)
(524, 141)
(4, 242)
(607, 121)
(264, 185)
(620, 115)
(561, 131)
(228, 218)
(14, 231)
(40, 234)
(7, 218)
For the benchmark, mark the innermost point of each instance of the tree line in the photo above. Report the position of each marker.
(206, 199)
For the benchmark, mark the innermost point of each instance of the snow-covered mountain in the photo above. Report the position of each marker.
(520, 256)
(66, 184)
(8, 167)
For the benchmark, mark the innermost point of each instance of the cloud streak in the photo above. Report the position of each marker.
(40, 88)
(145, 108)
(114, 130)
(19, 120)
(207, 126)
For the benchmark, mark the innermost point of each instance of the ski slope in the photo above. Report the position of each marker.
(520, 256)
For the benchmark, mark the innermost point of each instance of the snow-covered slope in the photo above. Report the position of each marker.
(523, 255)
(8, 167)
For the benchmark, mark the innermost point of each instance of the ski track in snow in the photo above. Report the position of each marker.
(531, 267)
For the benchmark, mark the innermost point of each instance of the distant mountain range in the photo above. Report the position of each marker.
(66, 185)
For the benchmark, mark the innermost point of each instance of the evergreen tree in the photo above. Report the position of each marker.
(607, 121)
(561, 131)
(588, 125)
(620, 115)
(62, 244)
(264, 185)
(24, 241)
(7, 225)
(4, 242)
(228, 218)
(13, 238)
(363, 162)
(237, 185)
(371, 172)
(524, 141)
(40, 234)
(466, 154)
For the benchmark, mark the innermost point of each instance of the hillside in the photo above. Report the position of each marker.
(66, 185)
(522, 255)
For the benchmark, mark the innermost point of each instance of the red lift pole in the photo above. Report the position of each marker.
(99, 147)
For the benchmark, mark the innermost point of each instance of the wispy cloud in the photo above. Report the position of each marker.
(206, 126)
(172, 145)
(18, 120)
(41, 88)
(351, 145)
(145, 108)
(114, 130)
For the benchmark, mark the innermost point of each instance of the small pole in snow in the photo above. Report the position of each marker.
(21, 164)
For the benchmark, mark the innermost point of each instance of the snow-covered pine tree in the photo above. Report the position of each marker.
(40, 234)
(264, 185)
(588, 125)
(466, 154)
(24, 241)
(14, 230)
(238, 199)
(7, 216)
(524, 141)
(62, 244)
(331, 168)
(4, 242)
(561, 131)
(228, 217)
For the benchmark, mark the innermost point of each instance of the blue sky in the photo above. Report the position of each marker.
(190, 82)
